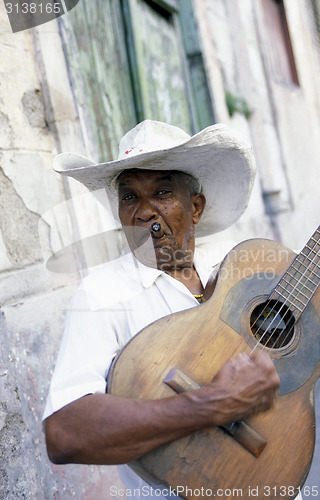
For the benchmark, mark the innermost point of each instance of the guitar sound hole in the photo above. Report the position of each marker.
(272, 324)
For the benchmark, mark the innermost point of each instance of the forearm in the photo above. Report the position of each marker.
(105, 429)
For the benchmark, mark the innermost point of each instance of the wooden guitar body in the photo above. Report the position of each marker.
(198, 342)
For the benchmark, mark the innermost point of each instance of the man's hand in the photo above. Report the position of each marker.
(244, 386)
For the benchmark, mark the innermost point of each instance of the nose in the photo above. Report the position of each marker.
(146, 211)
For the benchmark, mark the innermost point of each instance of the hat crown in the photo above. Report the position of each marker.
(150, 136)
(217, 156)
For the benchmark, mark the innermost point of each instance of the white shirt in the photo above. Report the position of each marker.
(110, 307)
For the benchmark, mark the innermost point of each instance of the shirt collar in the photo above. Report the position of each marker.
(142, 274)
(146, 276)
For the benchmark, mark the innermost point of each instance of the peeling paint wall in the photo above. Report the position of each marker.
(25, 249)
(38, 118)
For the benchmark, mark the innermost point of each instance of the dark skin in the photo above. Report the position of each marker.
(146, 197)
(105, 429)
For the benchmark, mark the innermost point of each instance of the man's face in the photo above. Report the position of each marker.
(147, 196)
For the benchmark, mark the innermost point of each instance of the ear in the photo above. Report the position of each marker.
(198, 205)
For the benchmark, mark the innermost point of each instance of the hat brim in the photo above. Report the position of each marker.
(217, 156)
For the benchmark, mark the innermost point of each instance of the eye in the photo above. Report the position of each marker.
(128, 197)
(163, 192)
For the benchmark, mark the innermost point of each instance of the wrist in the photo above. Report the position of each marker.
(202, 406)
(206, 404)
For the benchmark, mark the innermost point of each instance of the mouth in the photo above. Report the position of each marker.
(151, 248)
(157, 235)
(139, 235)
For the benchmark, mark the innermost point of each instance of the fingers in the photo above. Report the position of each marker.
(264, 361)
(255, 383)
(245, 385)
(261, 362)
(265, 402)
(269, 380)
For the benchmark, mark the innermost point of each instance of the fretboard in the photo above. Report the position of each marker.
(301, 280)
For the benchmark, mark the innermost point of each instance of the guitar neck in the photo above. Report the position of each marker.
(301, 280)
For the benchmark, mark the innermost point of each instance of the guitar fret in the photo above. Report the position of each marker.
(309, 279)
(298, 285)
(298, 281)
(316, 241)
(294, 299)
(303, 284)
(311, 250)
(311, 263)
(298, 291)
(295, 294)
(309, 258)
(311, 272)
(290, 302)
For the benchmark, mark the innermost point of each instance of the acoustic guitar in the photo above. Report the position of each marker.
(265, 297)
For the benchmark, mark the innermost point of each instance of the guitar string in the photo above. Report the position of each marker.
(264, 310)
(288, 310)
(269, 300)
(283, 304)
(283, 312)
(287, 299)
(312, 263)
(303, 273)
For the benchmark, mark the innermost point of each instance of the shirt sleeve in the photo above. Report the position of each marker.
(89, 344)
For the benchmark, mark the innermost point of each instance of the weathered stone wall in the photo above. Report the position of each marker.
(37, 119)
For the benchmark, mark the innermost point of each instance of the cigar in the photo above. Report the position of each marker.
(156, 227)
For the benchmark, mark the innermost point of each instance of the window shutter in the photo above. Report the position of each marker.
(156, 58)
(279, 47)
(94, 42)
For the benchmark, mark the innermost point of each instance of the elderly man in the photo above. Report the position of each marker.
(170, 188)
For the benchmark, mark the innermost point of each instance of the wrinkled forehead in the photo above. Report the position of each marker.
(183, 181)
(137, 174)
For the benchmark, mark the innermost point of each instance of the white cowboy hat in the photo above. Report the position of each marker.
(217, 156)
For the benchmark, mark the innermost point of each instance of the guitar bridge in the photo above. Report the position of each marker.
(239, 430)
